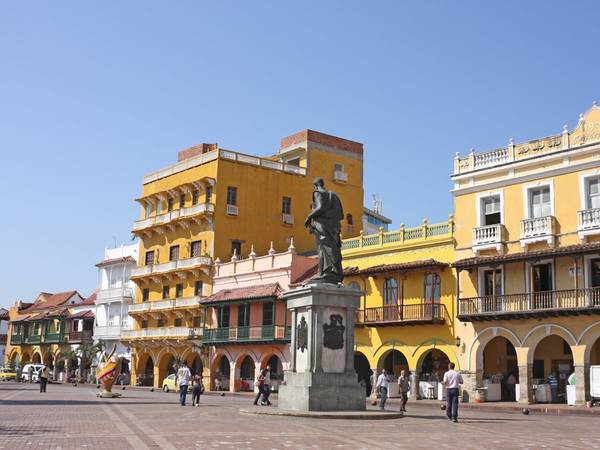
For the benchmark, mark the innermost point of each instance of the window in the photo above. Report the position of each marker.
(170, 204)
(160, 323)
(177, 322)
(208, 194)
(144, 324)
(593, 193)
(542, 277)
(196, 322)
(432, 287)
(174, 253)
(488, 282)
(286, 205)
(491, 210)
(243, 315)
(595, 272)
(539, 202)
(294, 162)
(224, 316)
(236, 247)
(158, 207)
(179, 290)
(268, 313)
(339, 167)
(390, 292)
(349, 219)
(195, 249)
(195, 195)
(149, 258)
(232, 195)
(146, 211)
(181, 201)
(145, 294)
(198, 288)
(165, 292)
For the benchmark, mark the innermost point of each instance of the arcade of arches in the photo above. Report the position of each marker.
(151, 367)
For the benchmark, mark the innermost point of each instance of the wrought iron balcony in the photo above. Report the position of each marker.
(233, 335)
(530, 304)
(538, 229)
(489, 236)
(408, 314)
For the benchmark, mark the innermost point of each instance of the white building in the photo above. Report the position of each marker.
(113, 296)
(373, 220)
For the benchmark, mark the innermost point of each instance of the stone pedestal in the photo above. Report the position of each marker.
(322, 375)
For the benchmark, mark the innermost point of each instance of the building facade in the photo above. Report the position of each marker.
(528, 262)
(4, 318)
(406, 317)
(213, 204)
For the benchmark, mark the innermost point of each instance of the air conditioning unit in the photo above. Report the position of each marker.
(340, 176)
(232, 210)
(288, 219)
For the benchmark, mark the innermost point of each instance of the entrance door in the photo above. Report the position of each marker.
(491, 302)
(594, 294)
(542, 286)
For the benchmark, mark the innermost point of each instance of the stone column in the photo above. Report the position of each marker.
(349, 335)
(234, 374)
(317, 332)
(257, 370)
(581, 383)
(374, 376)
(414, 384)
(525, 386)
(472, 380)
(293, 339)
(157, 380)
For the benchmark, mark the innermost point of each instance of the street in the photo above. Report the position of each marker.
(68, 417)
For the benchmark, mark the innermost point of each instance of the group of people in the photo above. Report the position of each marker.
(183, 378)
(452, 380)
(263, 383)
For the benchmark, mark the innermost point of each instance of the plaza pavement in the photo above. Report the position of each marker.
(69, 417)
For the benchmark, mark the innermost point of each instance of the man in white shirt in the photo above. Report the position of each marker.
(183, 378)
(452, 379)
(383, 384)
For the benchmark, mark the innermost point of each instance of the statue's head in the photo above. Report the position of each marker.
(319, 182)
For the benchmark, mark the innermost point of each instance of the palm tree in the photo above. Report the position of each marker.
(87, 353)
(70, 356)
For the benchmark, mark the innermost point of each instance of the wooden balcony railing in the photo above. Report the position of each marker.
(570, 301)
(247, 334)
(81, 336)
(409, 314)
(54, 338)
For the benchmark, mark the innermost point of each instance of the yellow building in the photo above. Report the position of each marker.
(527, 230)
(406, 320)
(213, 205)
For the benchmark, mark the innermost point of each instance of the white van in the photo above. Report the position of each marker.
(35, 375)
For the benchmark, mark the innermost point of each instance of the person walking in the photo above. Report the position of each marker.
(452, 379)
(260, 384)
(403, 387)
(383, 384)
(183, 378)
(197, 389)
(31, 374)
(267, 387)
(44, 374)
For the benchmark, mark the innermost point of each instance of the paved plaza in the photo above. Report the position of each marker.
(73, 418)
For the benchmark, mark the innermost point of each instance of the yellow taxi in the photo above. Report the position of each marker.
(170, 384)
(7, 374)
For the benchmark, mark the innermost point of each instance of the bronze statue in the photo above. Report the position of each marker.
(324, 223)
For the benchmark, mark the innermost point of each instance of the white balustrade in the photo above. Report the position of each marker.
(139, 307)
(489, 234)
(164, 332)
(589, 219)
(288, 219)
(114, 293)
(162, 304)
(187, 301)
(537, 227)
(492, 158)
(232, 210)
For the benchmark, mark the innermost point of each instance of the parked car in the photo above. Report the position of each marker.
(35, 375)
(169, 384)
(7, 374)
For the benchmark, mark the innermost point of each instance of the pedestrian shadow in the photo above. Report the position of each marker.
(468, 419)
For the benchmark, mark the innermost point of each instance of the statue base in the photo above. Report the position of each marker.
(322, 375)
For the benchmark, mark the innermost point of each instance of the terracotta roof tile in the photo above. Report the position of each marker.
(245, 293)
(3, 314)
(83, 315)
(91, 300)
(45, 301)
(399, 267)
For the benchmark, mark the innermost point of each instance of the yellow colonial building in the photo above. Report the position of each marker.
(406, 320)
(527, 231)
(211, 206)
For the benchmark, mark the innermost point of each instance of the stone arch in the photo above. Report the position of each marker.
(220, 370)
(534, 337)
(245, 369)
(166, 365)
(393, 360)
(36, 357)
(589, 339)
(267, 354)
(551, 357)
(481, 340)
(362, 367)
(434, 361)
(386, 346)
(25, 358)
(144, 364)
(427, 346)
(15, 359)
(48, 360)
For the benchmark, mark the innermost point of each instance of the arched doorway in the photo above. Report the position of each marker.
(276, 369)
(48, 361)
(25, 359)
(197, 367)
(145, 370)
(500, 370)
(166, 366)
(37, 359)
(393, 362)
(363, 371)
(552, 365)
(433, 366)
(14, 361)
(221, 373)
(247, 374)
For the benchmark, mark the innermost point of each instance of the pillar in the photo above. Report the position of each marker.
(414, 384)
(581, 383)
(234, 374)
(373, 396)
(525, 386)
(156, 373)
(471, 381)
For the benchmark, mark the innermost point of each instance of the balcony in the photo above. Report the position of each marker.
(113, 294)
(404, 315)
(589, 222)
(526, 305)
(186, 302)
(537, 230)
(16, 339)
(81, 336)
(54, 338)
(33, 339)
(164, 332)
(340, 176)
(192, 264)
(489, 237)
(178, 216)
(137, 308)
(238, 335)
(107, 332)
(162, 305)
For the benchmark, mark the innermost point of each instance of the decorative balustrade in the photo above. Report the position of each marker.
(247, 334)
(589, 219)
(164, 332)
(162, 304)
(537, 227)
(183, 302)
(139, 307)
(16, 339)
(401, 236)
(178, 264)
(530, 302)
(114, 293)
(427, 312)
(107, 331)
(55, 338)
(489, 234)
(171, 216)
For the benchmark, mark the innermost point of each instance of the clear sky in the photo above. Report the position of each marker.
(93, 95)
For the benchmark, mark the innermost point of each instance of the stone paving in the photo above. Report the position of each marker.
(69, 417)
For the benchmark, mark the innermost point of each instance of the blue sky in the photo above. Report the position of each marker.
(95, 94)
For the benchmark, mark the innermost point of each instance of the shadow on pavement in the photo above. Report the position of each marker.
(26, 431)
(467, 420)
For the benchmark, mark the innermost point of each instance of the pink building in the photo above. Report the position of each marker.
(247, 322)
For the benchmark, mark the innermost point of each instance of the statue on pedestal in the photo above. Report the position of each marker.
(324, 223)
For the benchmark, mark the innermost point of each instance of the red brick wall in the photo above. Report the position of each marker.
(322, 138)
(195, 151)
